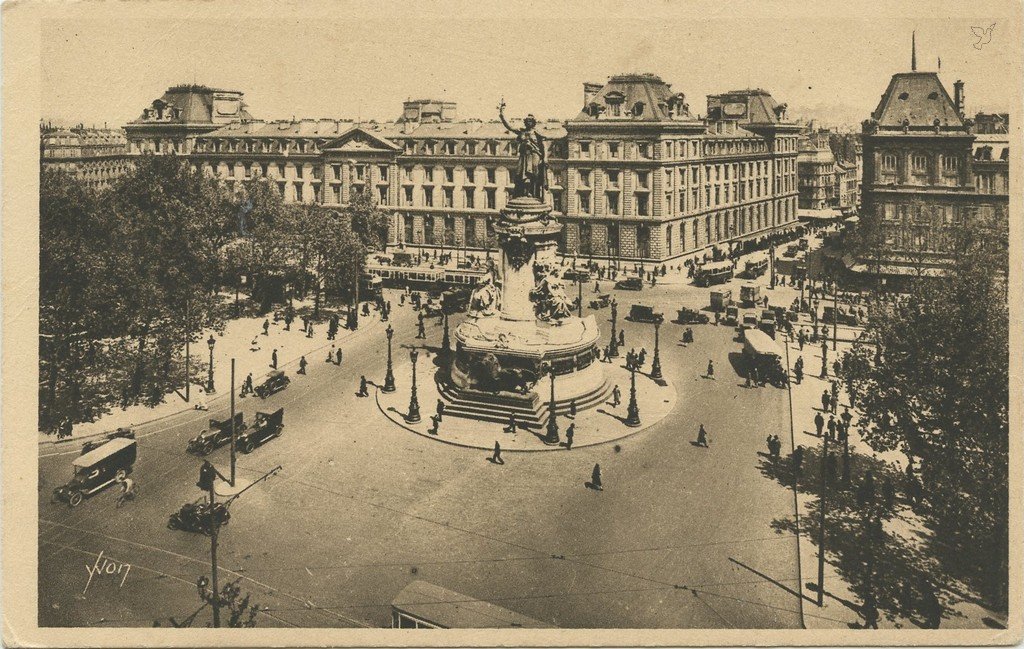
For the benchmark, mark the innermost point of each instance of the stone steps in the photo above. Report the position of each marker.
(531, 411)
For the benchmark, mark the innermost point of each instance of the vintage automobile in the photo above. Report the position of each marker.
(768, 322)
(764, 354)
(97, 469)
(750, 294)
(266, 426)
(691, 316)
(749, 321)
(275, 382)
(576, 275)
(732, 316)
(721, 299)
(756, 266)
(218, 434)
(601, 301)
(717, 272)
(195, 517)
(630, 284)
(847, 315)
(126, 433)
(644, 313)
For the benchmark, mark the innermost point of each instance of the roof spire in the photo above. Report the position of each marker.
(913, 51)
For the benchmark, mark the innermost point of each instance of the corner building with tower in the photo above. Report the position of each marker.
(634, 176)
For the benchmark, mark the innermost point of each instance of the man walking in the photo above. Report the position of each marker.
(702, 437)
(825, 400)
(302, 365)
(572, 408)
(831, 427)
(622, 338)
(247, 385)
(512, 426)
(363, 392)
(273, 359)
(266, 327)
(835, 396)
(339, 356)
(569, 432)
(595, 478)
(711, 370)
(440, 409)
(616, 396)
(496, 457)
(421, 332)
(819, 423)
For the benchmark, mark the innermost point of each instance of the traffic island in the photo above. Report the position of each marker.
(599, 424)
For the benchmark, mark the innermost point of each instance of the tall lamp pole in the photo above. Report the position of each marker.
(821, 523)
(552, 439)
(613, 347)
(656, 363)
(188, 355)
(414, 404)
(633, 411)
(234, 432)
(389, 376)
(579, 299)
(835, 311)
(209, 379)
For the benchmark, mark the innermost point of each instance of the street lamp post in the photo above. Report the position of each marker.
(579, 299)
(613, 347)
(633, 411)
(656, 363)
(835, 311)
(389, 376)
(209, 381)
(771, 258)
(552, 439)
(446, 342)
(821, 523)
(414, 404)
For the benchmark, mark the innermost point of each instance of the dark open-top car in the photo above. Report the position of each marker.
(691, 316)
(275, 382)
(630, 284)
(216, 436)
(267, 425)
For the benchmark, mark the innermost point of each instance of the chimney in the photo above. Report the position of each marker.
(958, 97)
(590, 91)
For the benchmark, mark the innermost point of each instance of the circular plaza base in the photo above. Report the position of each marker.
(597, 425)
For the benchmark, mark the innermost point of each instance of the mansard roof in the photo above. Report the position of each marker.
(643, 97)
(916, 100)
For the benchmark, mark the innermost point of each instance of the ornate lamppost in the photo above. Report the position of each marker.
(414, 404)
(552, 439)
(389, 376)
(209, 380)
(613, 347)
(446, 342)
(633, 411)
(656, 363)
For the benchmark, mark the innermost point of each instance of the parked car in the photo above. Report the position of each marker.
(630, 284)
(217, 435)
(750, 294)
(768, 322)
(749, 320)
(195, 517)
(126, 433)
(691, 316)
(721, 299)
(266, 426)
(275, 382)
(732, 316)
(99, 468)
(601, 301)
(644, 313)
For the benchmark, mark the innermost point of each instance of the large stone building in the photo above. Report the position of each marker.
(635, 175)
(828, 175)
(94, 155)
(925, 170)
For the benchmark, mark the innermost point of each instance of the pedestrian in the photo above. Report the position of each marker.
(288, 318)
(309, 330)
(616, 396)
(435, 424)
(798, 460)
(266, 327)
(824, 352)
(339, 356)
(572, 408)
(330, 355)
(800, 339)
(718, 317)
(302, 365)
(595, 478)
(622, 338)
(869, 611)
(825, 400)
(440, 409)
(569, 432)
(799, 371)
(711, 370)
(819, 423)
(757, 378)
(931, 607)
(273, 359)
(831, 427)
(247, 385)
(770, 441)
(363, 392)
(702, 437)
(496, 457)
(824, 369)
(512, 426)
(642, 358)
(846, 416)
(834, 401)
(837, 368)
(421, 332)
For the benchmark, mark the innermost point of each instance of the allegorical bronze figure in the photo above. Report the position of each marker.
(532, 170)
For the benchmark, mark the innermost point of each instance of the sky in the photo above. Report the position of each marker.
(103, 62)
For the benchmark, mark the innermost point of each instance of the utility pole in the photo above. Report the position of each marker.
(214, 525)
(579, 290)
(233, 431)
(835, 311)
(188, 357)
(821, 521)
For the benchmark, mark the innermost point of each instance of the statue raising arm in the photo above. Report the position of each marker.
(504, 122)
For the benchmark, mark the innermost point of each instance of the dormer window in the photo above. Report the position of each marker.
(638, 109)
(904, 96)
(614, 100)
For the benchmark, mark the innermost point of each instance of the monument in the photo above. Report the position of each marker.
(521, 334)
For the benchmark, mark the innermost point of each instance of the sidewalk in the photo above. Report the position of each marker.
(841, 605)
(233, 342)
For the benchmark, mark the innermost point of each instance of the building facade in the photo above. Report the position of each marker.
(95, 156)
(633, 176)
(925, 171)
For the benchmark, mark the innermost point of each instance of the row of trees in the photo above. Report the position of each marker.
(931, 379)
(126, 274)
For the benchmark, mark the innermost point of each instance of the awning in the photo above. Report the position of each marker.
(819, 215)
(889, 269)
(853, 219)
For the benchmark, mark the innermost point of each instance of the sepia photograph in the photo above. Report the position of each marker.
(570, 323)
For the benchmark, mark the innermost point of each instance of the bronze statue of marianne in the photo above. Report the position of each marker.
(532, 170)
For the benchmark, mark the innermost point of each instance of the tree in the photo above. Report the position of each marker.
(368, 221)
(936, 387)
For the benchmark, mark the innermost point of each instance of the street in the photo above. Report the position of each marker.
(679, 538)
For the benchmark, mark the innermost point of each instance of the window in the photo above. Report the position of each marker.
(490, 176)
(585, 149)
(449, 175)
(428, 196)
(335, 170)
(643, 179)
(449, 148)
(470, 173)
(382, 195)
(489, 193)
(428, 174)
(612, 199)
(585, 238)
(360, 172)
(428, 230)
(584, 177)
(613, 178)
(556, 201)
(889, 162)
(383, 170)
(613, 149)
(584, 198)
(470, 148)
(408, 195)
(410, 147)
(447, 198)
(407, 173)
(407, 228)
(668, 238)
(469, 197)
(642, 204)
(298, 192)
(336, 194)
(613, 238)
(471, 241)
(950, 164)
(919, 163)
(643, 149)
